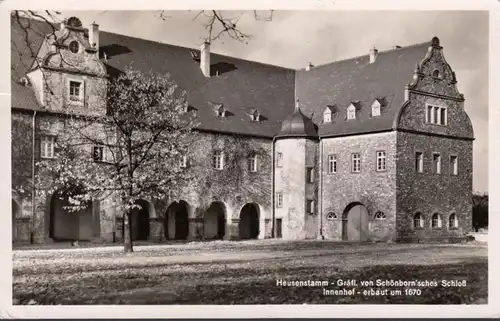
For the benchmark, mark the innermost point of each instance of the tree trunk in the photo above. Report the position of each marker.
(127, 232)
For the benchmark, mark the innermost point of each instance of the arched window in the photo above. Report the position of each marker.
(435, 73)
(73, 46)
(436, 221)
(418, 221)
(331, 216)
(453, 221)
(380, 215)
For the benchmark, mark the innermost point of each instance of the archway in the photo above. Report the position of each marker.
(249, 221)
(215, 221)
(15, 213)
(355, 223)
(176, 221)
(140, 220)
(66, 225)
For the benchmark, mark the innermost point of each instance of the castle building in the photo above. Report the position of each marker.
(372, 148)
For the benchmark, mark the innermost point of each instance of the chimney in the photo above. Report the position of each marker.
(205, 58)
(94, 36)
(373, 55)
(309, 66)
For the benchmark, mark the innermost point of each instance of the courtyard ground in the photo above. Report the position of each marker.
(246, 272)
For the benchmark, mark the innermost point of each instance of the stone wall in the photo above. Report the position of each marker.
(430, 193)
(375, 190)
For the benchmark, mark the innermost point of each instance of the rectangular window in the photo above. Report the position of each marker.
(310, 174)
(75, 90)
(443, 116)
(381, 163)
(252, 163)
(436, 115)
(218, 160)
(419, 162)
(332, 164)
(310, 207)
(184, 161)
(327, 117)
(279, 159)
(279, 199)
(47, 146)
(356, 163)
(351, 113)
(436, 163)
(454, 165)
(98, 153)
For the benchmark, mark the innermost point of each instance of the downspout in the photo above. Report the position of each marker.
(273, 231)
(321, 189)
(33, 189)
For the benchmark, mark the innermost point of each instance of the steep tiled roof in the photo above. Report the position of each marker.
(357, 80)
(240, 86)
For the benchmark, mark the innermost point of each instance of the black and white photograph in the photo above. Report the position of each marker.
(248, 157)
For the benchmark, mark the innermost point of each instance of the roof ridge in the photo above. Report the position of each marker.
(366, 55)
(191, 48)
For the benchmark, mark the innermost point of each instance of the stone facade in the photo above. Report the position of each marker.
(297, 196)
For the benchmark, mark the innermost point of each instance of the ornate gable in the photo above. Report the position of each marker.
(434, 75)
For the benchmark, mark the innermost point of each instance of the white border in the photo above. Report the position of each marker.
(206, 311)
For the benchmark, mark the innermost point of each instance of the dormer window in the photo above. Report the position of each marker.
(351, 112)
(74, 46)
(327, 116)
(376, 108)
(221, 112)
(256, 115)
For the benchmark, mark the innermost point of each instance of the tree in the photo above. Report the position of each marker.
(136, 148)
(479, 210)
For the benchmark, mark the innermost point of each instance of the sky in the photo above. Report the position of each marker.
(295, 38)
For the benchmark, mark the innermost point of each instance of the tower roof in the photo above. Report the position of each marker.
(298, 125)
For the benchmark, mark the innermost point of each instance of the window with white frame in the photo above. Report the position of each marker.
(436, 115)
(356, 162)
(98, 153)
(375, 108)
(454, 164)
(436, 221)
(47, 146)
(310, 174)
(436, 163)
(418, 221)
(453, 221)
(252, 163)
(381, 161)
(75, 91)
(332, 164)
(331, 216)
(279, 199)
(351, 112)
(379, 215)
(327, 116)
(279, 159)
(184, 161)
(310, 207)
(218, 160)
(419, 162)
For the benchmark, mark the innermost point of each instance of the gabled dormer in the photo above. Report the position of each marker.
(329, 114)
(254, 115)
(67, 74)
(377, 106)
(352, 110)
(219, 109)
